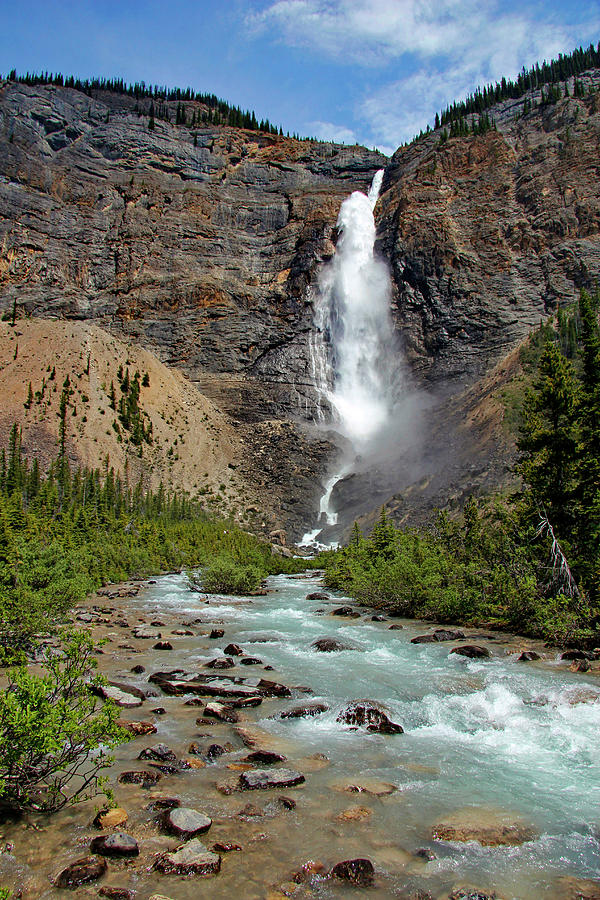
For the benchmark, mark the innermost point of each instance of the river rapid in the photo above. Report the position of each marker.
(486, 742)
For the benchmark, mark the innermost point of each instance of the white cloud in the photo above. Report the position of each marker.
(451, 46)
(328, 131)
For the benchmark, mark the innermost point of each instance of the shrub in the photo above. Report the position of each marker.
(54, 733)
(224, 576)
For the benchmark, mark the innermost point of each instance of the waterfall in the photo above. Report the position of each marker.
(351, 346)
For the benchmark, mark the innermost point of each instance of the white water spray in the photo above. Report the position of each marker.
(352, 343)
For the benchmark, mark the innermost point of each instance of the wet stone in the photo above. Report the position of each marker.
(396, 628)
(143, 778)
(355, 871)
(217, 633)
(110, 818)
(305, 711)
(115, 893)
(378, 618)
(345, 611)
(192, 858)
(159, 752)
(440, 634)
(233, 650)
(367, 714)
(528, 656)
(138, 729)
(222, 847)
(221, 712)
(125, 696)
(250, 661)
(330, 645)
(264, 757)
(186, 822)
(117, 844)
(472, 651)
(138, 670)
(261, 779)
(82, 871)
(319, 596)
(159, 711)
(163, 645)
(220, 662)
(162, 803)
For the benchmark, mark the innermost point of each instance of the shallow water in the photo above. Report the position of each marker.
(491, 739)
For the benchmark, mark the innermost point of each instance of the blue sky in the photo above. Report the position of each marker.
(372, 71)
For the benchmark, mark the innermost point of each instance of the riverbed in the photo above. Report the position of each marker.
(488, 744)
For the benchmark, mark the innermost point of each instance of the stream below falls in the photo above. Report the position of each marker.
(485, 741)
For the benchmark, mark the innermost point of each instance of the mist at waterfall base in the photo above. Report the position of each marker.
(365, 400)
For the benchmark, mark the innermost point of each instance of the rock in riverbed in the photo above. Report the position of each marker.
(159, 753)
(304, 711)
(110, 818)
(117, 844)
(82, 871)
(186, 822)
(261, 779)
(472, 651)
(192, 858)
(367, 714)
(355, 871)
(330, 645)
(440, 634)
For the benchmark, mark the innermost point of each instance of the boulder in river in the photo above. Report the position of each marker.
(355, 871)
(82, 871)
(159, 753)
(487, 830)
(123, 695)
(143, 633)
(191, 858)
(472, 651)
(221, 712)
(118, 844)
(440, 634)
(110, 818)
(319, 596)
(137, 729)
(250, 661)
(163, 645)
(217, 633)
(115, 893)
(186, 822)
(261, 779)
(470, 894)
(220, 662)
(528, 656)
(265, 757)
(143, 778)
(330, 645)
(368, 714)
(304, 711)
(233, 650)
(345, 611)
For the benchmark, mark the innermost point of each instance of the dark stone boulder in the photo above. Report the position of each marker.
(163, 645)
(82, 871)
(186, 822)
(330, 645)
(440, 634)
(355, 871)
(264, 757)
(217, 633)
(220, 662)
(378, 618)
(396, 627)
(117, 844)
(115, 893)
(233, 650)
(528, 656)
(251, 661)
(472, 651)
(222, 847)
(138, 729)
(138, 670)
(318, 596)
(346, 611)
(144, 778)
(262, 779)
(159, 753)
(191, 858)
(307, 709)
(221, 712)
(570, 655)
(367, 714)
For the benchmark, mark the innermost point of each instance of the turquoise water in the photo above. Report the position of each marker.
(496, 736)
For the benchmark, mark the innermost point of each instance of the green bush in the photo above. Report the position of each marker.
(224, 576)
(54, 733)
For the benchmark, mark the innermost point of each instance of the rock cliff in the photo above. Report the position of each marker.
(200, 245)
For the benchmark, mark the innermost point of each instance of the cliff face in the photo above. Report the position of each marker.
(487, 234)
(200, 246)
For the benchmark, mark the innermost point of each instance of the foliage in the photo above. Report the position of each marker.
(54, 733)
(65, 533)
(225, 576)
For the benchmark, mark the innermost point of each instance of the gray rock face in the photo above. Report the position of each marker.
(186, 822)
(192, 858)
(261, 779)
(117, 844)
